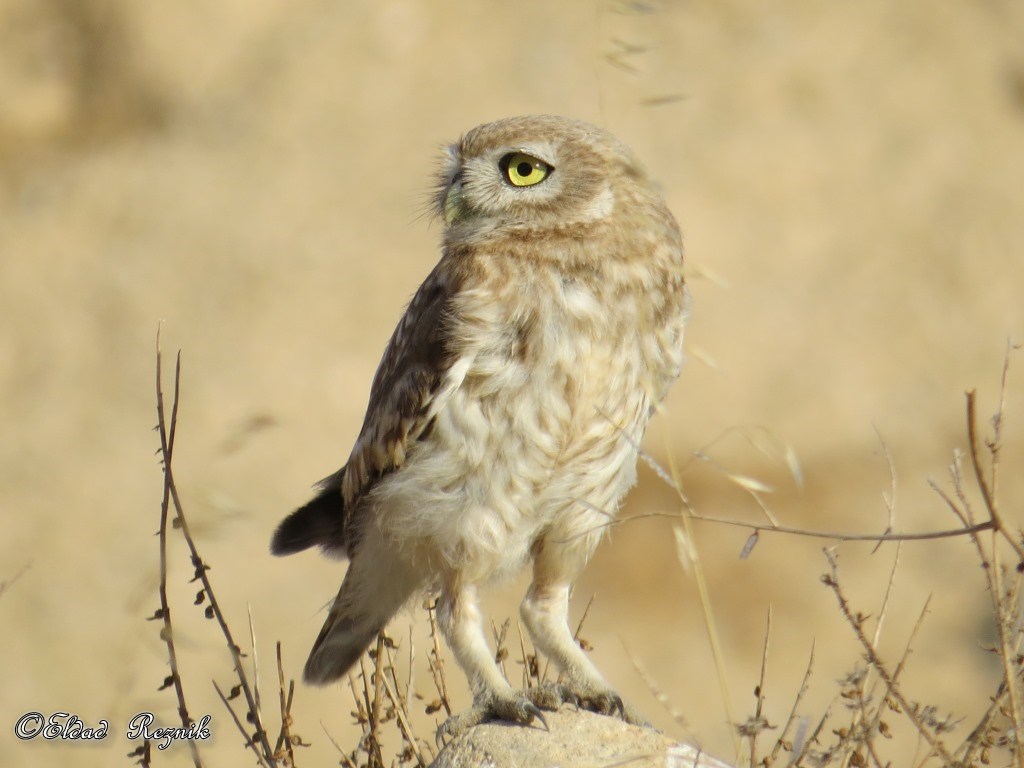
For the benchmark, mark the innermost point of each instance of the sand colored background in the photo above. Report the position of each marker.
(849, 182)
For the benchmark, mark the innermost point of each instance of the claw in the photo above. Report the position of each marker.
(570, 697)
(515, 709)
(550, 696)
(460, 723)
(618, 705)
(440, 733)
(534, 712)
(603, 701)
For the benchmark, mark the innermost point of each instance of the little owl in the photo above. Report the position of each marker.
(505, 415)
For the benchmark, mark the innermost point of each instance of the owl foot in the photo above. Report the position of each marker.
(521, 707)
(550, 696)
(605, 701)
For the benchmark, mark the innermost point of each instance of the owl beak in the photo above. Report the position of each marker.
(453, 201)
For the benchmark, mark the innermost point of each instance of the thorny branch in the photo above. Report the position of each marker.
(164, 612)
(987, 492)
(258, 741)
(831, 580)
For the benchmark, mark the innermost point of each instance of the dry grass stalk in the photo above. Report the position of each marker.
(661, 697)
(436, 662)
(686, 512)
(795, 746)
(8, 583)
(163, 613)
(861, 721)
(257, 741)
(754, 725)
(400, 701)
(286, 740)
(867, 693)
(857, 740)
(500, 651)
(856, 621)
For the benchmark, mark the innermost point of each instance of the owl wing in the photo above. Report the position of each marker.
(417, 374)
(414, 380)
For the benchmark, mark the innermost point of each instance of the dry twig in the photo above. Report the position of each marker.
(257, 741)
(781, 741)
(831, 580)
(164, 612)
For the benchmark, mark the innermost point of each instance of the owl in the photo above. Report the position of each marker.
(504, 418)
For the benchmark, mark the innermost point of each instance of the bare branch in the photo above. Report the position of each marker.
(164, 612)
(804, 684)
(213, 610)
(988, 525)
(832, 581)
(404, 726)
(890, 498)
(758, 723)
(249, 743)
(979, 476)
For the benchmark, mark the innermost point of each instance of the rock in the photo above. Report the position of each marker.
(576, 740)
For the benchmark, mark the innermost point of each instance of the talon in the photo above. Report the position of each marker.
(534, 712)
(618, 705)
(443, 731)
(440, 733)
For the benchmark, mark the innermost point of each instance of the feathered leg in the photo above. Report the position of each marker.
(493, 698)
(545, 612)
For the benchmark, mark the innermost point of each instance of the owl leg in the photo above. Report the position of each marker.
(545, 612)
(493, 698)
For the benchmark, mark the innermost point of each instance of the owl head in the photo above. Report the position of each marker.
(537, 172)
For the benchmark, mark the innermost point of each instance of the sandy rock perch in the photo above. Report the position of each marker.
(576, 740)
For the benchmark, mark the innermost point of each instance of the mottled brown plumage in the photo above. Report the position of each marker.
(504, 417)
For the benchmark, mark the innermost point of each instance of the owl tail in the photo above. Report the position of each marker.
(321, 522)
(375, 588)
(341, 642)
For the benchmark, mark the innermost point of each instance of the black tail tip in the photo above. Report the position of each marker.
(321, 522)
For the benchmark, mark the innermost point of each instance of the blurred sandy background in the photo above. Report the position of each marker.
(251, 173)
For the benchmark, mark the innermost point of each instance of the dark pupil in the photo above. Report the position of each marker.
(524, 169)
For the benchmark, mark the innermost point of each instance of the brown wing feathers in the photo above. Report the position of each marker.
(409, 375)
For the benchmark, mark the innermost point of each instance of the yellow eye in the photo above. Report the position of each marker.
(522, 170)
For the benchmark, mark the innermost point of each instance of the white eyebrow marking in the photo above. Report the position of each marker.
(601, 206)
